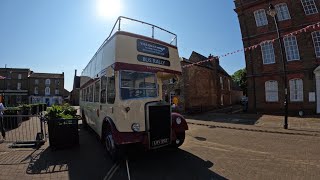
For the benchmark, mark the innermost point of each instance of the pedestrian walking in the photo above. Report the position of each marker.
(3, 132)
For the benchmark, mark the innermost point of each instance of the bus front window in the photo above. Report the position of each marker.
(138, 85)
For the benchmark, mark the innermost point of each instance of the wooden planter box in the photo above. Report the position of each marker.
(63, 133)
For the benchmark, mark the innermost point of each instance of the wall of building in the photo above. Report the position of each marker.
(41, 96)
(258, 73)
(236, 96)
(14, 94)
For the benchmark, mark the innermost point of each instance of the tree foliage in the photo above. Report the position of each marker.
(240, 77)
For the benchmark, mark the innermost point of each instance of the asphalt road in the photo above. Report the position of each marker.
(208, 153)
(230, 154)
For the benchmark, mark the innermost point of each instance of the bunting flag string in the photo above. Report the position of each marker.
(302, 30)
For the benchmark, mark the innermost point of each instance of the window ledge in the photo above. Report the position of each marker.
(272, 102)
(296, 101)
(269, 63)
(294, 60)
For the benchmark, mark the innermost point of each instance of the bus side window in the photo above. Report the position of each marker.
(87, 94)
(97, 91)
(103, 98)
(111, 94)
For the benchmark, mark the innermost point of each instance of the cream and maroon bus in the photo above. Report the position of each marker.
(121, 90)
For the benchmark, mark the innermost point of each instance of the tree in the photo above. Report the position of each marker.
(240, 77)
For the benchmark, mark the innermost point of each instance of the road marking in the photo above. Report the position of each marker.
(128, 172)
(113, 169)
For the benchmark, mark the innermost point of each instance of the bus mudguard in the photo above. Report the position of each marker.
(124, 137)
(179, 123)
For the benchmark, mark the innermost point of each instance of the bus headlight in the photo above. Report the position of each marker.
(135, 127)
(178, 120)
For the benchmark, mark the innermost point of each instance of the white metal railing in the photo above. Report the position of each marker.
(120, 25)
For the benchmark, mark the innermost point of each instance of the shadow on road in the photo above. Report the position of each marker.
(170, 163)
(89, 161)
(245, 119)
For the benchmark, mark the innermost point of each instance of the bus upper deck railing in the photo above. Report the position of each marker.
(168, 37)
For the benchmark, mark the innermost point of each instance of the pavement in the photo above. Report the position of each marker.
(303, 125)
(220, 148)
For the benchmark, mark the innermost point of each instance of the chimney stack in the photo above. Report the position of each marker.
(215, 61)
(75, 72)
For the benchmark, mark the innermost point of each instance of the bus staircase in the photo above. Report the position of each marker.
(25, 131)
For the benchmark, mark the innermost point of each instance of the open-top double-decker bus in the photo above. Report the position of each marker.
(121, 90)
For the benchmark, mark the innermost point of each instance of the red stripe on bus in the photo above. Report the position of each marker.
(142, 68)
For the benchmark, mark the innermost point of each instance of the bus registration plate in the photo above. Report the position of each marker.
(160, 142)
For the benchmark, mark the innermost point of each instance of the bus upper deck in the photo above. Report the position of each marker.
(124, 50)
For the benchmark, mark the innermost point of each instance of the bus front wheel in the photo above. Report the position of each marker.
(111, 147)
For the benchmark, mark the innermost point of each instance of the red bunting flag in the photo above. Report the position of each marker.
(305, 29)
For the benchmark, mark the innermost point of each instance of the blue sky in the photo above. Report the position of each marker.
(62, 35)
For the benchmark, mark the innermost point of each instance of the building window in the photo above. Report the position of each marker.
(282, 12)
(57, 82)
(36, 90)
(47, 91)
(19, 76)
(56, 92)
(19, 86)
(309, 7)
(221, 82)
(291, 47)
(296, 90)
(36, 81)
(271, 88)
(18, 99)
(267, 53)
(316, 42)
(171, 81)
(261, 17)
(47, 82)
(229, 85)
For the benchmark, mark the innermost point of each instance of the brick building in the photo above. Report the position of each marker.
(14, 85)
(201, 87)
(264, 66)
(46, 88)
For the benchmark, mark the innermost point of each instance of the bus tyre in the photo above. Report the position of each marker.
(111, 147)
(180, 139)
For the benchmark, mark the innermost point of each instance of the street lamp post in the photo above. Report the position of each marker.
(272, 12)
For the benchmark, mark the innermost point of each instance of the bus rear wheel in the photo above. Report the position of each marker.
(180, 139)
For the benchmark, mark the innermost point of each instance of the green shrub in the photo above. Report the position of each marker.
(12, 111)
(61, 112)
